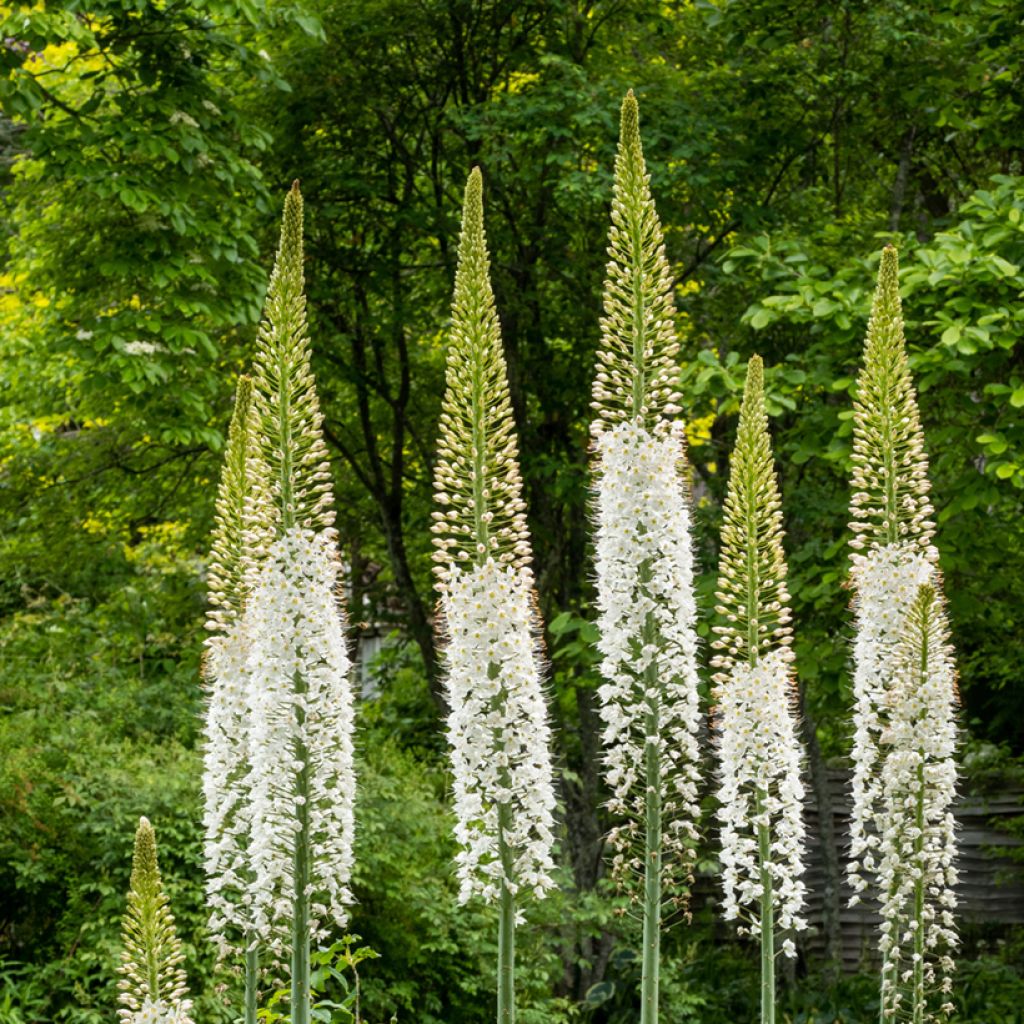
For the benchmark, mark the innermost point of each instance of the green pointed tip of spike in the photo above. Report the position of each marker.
(144, 869)
(630, 123)
(755, 378)
(473, 212)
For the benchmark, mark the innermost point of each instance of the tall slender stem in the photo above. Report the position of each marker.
(919, 882)
(767, 919)
(252, 972)
(919, 1004)
(300, 1001)
(506, 932)
(652, 846)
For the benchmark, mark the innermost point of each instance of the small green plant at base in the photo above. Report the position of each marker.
(334, 985)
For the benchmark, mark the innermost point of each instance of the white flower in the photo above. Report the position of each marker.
(498, 731)
(142, 348)
(180, 117)
(761, 785)
(647, 616)
(159, 1012)
(226, 811)
(300, 710)
(886, 581)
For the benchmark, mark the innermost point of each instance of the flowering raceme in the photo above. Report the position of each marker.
(917, 846)
(280, 777)
(497, 725)
(498, 731)
(644, 562)
(301, 713)
(239, 541)
(761, 795)
(152, 986)
(647, 610)
(904, 773)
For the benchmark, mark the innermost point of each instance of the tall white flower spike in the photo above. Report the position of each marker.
(280, 777)
(644, 560)
(760, 758)
(497, 727)
(894, 563)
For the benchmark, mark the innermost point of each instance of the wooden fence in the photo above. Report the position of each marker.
(991, 889)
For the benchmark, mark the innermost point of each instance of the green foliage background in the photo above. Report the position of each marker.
(144, 149)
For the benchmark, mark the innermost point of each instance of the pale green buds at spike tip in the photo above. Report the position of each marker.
(637, 375)
(241, 516)
(890, 501)
(151, 971)
(752, 594)
(290, 421)
(480, 513)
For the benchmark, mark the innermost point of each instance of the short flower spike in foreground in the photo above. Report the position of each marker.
(761, 798)
(898, 607)
(152, 983)
(644, 561)
(497, 727)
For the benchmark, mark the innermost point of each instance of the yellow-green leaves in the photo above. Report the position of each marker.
(637, 376)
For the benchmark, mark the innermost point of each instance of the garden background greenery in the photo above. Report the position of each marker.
(144, 151)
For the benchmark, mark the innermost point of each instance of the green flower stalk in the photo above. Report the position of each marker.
(644, 562)
(761, 795)
(893, 558)
(153, 989)
(241, 537)
(497, 726)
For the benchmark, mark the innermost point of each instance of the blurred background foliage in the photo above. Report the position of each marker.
(144, 149)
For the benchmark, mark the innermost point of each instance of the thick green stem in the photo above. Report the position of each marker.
(919, 1001)
(652, 892)
(252, 972)
(767, 919)
(506, 934)
(652, 846)
(300, 1002)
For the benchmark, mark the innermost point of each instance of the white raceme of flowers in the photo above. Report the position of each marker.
(158, 1012)
(300, 708)
(647, 616)
(498, 731)
(226, 810)
(886, 580)
(917, 831)
(760, 761)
